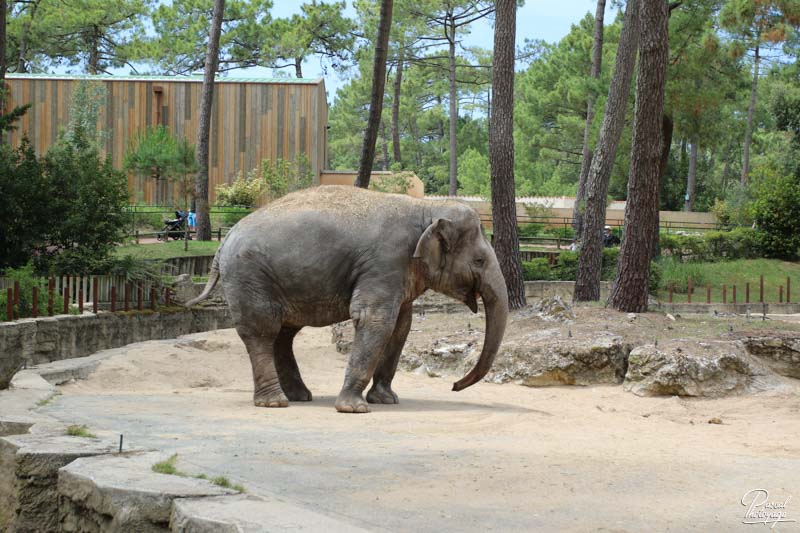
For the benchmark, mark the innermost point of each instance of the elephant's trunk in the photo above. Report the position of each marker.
(495, 301)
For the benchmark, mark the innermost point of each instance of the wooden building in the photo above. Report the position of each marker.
(252, 119)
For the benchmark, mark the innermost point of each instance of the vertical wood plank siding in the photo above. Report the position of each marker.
(251, 121)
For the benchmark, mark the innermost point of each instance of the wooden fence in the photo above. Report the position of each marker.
(113, 292)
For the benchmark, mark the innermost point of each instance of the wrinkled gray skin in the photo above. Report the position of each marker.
(325, 255)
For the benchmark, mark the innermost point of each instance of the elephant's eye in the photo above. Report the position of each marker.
(479, 261)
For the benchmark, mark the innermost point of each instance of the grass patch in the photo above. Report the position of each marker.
(47, 401)
(80, 431)
(730, 273)
(165, 250)
(168, 467)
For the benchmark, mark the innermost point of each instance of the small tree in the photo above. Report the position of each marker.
(777, 216)
(155, 153)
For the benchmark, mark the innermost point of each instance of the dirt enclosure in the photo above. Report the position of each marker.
(493, 457)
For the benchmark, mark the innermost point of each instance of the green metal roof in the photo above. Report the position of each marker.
(165, 79)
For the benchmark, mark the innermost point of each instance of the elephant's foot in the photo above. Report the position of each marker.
(278, 399)
(380, 393)
(351, 402)
(298, 394)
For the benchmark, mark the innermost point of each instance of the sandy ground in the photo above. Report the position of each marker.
(492, 457)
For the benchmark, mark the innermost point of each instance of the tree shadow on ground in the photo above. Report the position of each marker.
(431, 405)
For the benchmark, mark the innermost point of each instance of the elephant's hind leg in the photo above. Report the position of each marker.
(381, 391)
(261, 348)
(286, 365)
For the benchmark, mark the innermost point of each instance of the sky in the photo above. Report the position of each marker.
(537, 19)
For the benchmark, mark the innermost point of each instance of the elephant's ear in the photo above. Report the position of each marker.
(437, 240)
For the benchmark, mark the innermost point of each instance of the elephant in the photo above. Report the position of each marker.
(331, 253)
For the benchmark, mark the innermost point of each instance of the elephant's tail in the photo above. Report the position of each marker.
(213, 278)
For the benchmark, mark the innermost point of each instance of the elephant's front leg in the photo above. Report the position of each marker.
(381, 390)
(374, 327)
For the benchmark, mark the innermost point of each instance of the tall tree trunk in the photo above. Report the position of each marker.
(667, 127)
(203, 216)
(385, 147)
(298, 67)
(691, 181)
(453, 109)
(630, 292)
(398, 80)
(3, 64)
(748, 131)
(376, 100)
(94, 52)
(587, 284)
(586, 161)
(501, 153)
(22, 62)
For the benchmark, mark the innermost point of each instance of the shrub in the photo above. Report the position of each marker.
(567, 268)
(610, 259)
(777, 217)
(536, 270)
(282, 177)
(676, 274)
(530, 230)
(27, 280)
(244, 191)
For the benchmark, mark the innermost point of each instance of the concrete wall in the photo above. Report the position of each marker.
(42, 340)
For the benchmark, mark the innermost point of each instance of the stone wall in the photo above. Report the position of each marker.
(29, 342)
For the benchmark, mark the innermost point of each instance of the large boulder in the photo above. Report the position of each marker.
(687, 367)
(542, 359)
(780, 353)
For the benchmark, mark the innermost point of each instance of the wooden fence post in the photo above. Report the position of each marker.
(139, 297)
(747, 292)
(219, 233)
(788, 289)
(35, 302)
(80, 299)
(761, 289)
(66, 300)
(708, 294)
(671, 288)
(724, 294)
(153, 298)
(167, 297)
(50, 288)
(780, 294)
(733, 294)
(127, 297)
(689, 288)
(10, 305)
(113, 299)
(16, 298)
(95, 296)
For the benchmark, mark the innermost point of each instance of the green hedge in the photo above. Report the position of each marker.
(566, 268)
(740, 243)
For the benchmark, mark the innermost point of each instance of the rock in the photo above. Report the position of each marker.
(533, 361)
(554, 308)
(780, 353)
(120, 493)
(342, 335)
(10, 364)
(687, 367)
(562, 362)
(29, 466)
(631, 317)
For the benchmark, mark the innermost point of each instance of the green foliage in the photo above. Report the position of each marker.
(178, 43)
(80, 431)
(395, 183)
(536, 270)
(473, 174)
(26, 216)
(7, 120)
(243, 191)
(676, 274)
(155, 152)
(27, 280)
(777, 217)
(739, 243)
(282, 176)
(91, 202)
